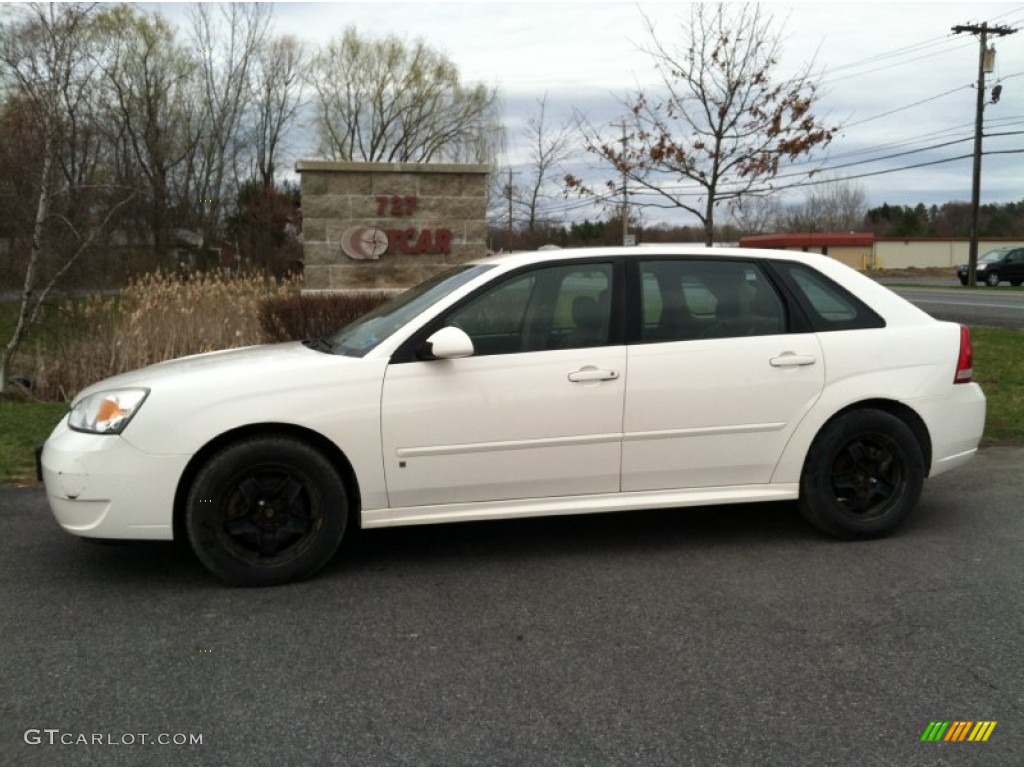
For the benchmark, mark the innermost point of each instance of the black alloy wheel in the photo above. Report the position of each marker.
(266, 511)
(863, 475)
(868, 475)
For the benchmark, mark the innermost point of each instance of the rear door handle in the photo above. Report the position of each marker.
(593, 374)
(791, 360)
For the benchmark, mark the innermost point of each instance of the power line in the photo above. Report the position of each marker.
(889, 66)
(913, 48)
(816, 182)
(908, 106)
(827, 169)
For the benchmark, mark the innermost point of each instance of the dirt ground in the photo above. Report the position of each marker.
(913, 272)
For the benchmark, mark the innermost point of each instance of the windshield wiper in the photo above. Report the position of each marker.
(320, 344)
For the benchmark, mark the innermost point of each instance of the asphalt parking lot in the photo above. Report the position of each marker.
(730, 635)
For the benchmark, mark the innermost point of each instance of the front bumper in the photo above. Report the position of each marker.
(101, 486)
(963, 271)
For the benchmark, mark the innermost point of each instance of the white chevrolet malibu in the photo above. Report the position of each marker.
(549, 383)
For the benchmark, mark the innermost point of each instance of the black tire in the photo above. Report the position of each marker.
(963, 281)
(265, 511)
(863, 475)
(1015, 283)
(992, 279)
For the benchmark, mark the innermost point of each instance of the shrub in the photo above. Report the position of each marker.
(157, 317)
(294, 317)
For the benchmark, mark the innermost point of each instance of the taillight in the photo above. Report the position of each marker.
(965, 360)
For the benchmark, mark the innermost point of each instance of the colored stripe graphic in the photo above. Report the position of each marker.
(982, 730)
(935, 730)
(958, 730)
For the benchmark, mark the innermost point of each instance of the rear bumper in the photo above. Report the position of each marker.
(956, 424)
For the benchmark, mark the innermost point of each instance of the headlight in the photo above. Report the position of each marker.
(106, 413)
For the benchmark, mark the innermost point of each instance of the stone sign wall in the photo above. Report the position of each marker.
(389, 225)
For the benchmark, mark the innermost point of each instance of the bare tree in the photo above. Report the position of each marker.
(755, 215)
(50, 58)
(276, 97)
(549, 149)
(835, 206)
(520, 198)
(389, 101)
(723, 124)
(150, 77)
(227, 38)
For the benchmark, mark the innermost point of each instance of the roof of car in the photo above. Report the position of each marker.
(649, 250)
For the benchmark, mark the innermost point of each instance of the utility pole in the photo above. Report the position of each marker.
(508, 229)
(983, 31)
(625, 189)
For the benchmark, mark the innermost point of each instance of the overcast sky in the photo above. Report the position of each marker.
(875, 58)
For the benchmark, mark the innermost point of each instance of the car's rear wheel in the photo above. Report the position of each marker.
(863, 475)
(992, 278)
(266, 510)
(1015, 283)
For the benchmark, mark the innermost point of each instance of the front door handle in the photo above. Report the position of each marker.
(791, 360)
(593, 374)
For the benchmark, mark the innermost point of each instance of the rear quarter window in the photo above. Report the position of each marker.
(827, 305)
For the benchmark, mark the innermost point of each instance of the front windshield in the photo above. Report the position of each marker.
(359, 337)
(991, 256)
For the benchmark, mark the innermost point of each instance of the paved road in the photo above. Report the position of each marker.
(999, 308)
(731, 635)
(1003, 308)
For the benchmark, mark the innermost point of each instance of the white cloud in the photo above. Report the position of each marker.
(875, 57)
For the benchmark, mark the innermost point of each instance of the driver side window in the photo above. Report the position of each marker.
(559, 307)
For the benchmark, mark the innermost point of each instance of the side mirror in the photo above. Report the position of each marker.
(449, 343)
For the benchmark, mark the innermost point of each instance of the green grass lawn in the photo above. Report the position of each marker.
(22, 425)
(998, 367)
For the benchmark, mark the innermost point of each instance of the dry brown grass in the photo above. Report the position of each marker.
(286, 318)
(156, 318)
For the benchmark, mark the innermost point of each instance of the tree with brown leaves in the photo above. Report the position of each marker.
(724, 123)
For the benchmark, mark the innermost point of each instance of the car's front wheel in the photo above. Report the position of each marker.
(266, 510)
(863, 475)
(992, 279)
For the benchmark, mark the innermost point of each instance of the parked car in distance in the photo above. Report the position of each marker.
(997, 266)
(547, 383)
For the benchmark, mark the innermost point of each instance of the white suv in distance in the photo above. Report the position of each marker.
(547, 383)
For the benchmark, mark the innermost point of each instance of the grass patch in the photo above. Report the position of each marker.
(24, 425)
(999, 369)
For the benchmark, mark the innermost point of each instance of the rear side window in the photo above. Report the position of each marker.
(685, 299)
(828, 305)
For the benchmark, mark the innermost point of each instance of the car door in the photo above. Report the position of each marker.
(1014, 267)
(535, 412)
(717, 382)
